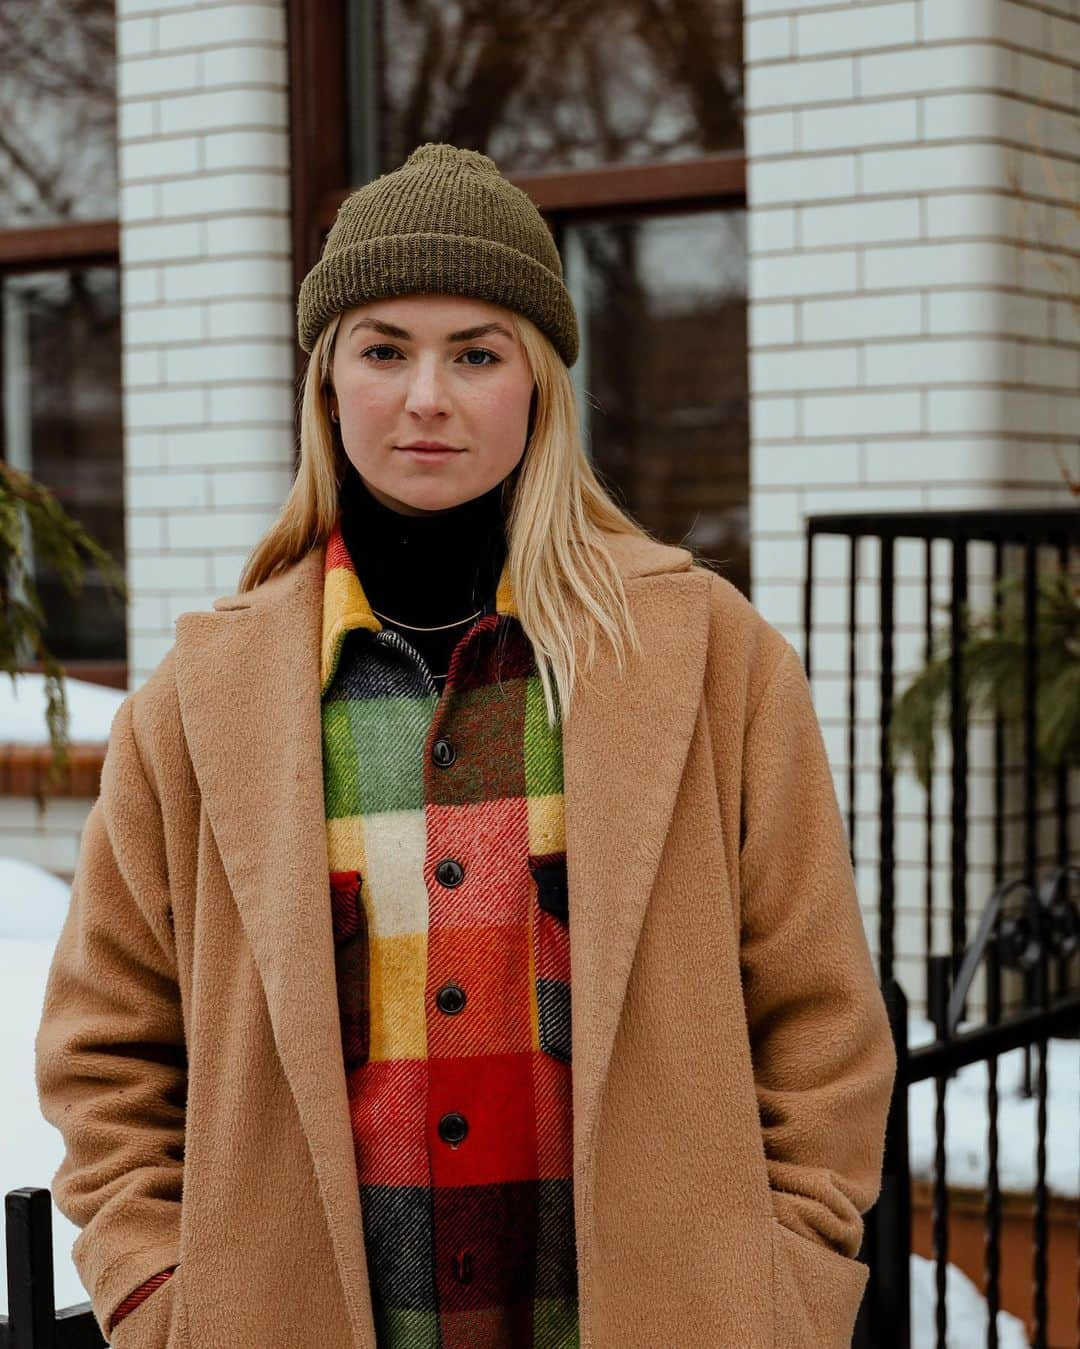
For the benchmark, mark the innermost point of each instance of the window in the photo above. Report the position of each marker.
(624, 123)
(60, 348)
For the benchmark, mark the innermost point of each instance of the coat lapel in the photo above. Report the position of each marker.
(248, 684)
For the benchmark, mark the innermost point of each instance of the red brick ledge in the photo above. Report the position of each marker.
(24, 771)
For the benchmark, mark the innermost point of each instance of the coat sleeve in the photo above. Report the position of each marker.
(110, 1058)
(823, 1054)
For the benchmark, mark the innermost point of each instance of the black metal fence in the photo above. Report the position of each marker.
(32, 1321)
(1029, 926)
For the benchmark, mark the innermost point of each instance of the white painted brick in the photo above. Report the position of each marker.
(156, 325)
(161, 408)
(859, 222)
(860, 414)
(134, 37)
(1064, 36)
(965, 214)
(954, 20)
(240, 234)
(853, 497)
(141, 285)
(150, 650)
(159, 159)
(166, 490)
(805, 367)
(125, 8)
(135, 121)
(753, 8)
(810, 178)
(214, 194)
(854, 318)
(227, 567)
(781, 277)
(858, 125)
(147, 613)
(770, 133)
(216, 363)
(802, 464)
(255, 404)
(158, 76)
(931, 461)
(143, 449)
(767, 39)
(1043, 81)
(237, 277)
(771, 324)
(975, 65)
(1050, 366)
(219, 108)
(144, 532)
(965, 410)
(141, 368)
(222, 25)
(215, 446)
(188, 601)
(233, 66)
(161, 243)
(855, 28)
(770, 229)
(168, 571)
(265, 485)
(925, 168)
(249, 318)
(138, 203)
(230, 528)
(772, 418)
(267, 149)
(971, 360)
(948, 264)
(797, 83)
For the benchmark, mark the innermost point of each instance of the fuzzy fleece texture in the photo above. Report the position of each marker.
(732, 1058)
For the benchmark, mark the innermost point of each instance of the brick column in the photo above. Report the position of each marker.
(208, 327)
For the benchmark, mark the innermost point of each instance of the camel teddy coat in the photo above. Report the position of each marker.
(732, 1058)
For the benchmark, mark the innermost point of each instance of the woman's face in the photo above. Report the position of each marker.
(430, 368)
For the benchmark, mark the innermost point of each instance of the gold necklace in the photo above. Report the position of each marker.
(438, 627)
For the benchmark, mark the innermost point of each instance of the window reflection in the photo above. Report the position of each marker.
(62, 424)
(570, 85)
(57, 111)
(662, 374)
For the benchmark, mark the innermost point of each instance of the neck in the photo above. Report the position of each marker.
(424, 569)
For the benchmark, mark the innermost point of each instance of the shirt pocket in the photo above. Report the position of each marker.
(352, 966)
(551, 953)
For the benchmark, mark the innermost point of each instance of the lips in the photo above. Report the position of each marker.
(431, 445)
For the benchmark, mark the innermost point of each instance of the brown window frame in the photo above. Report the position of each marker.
(71, 246)
(317, 92)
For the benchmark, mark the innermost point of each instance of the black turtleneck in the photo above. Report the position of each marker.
(428, 569)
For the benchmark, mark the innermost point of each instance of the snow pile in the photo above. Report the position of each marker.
(91, 708)
(966, 1318)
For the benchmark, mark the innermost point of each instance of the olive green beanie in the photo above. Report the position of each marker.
(447, 223)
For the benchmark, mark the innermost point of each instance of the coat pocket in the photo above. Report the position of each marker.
(816, 1292)
(352, 960)
(551, 953)
(158, 1322)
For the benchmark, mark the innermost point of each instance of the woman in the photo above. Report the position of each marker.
(538, 1009)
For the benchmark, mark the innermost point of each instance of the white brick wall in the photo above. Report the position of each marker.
(208, 309)
(910, 346)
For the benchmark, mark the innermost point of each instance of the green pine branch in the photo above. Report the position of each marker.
(60, 541)
(992, 673)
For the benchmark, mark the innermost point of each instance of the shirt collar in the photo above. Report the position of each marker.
(345, 606)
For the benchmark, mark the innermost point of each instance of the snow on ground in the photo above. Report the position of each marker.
(91, 708)
(33, 904)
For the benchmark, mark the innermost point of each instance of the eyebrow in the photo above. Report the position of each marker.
(403, 335)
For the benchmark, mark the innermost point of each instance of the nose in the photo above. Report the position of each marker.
(427, 395)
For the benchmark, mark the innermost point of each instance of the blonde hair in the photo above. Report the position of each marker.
(561, 569)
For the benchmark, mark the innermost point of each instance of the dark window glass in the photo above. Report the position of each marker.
(62, 424)
(662, 375)
(564, 86)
